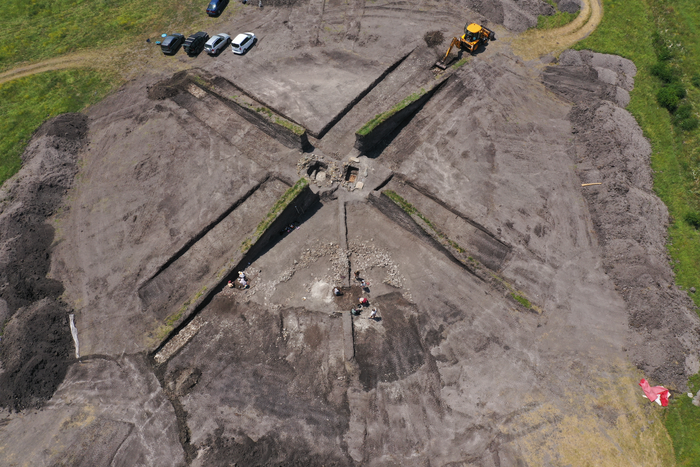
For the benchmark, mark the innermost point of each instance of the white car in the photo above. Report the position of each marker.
(242, 42)
(217, 43)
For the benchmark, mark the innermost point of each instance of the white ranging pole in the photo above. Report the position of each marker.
(74, 333)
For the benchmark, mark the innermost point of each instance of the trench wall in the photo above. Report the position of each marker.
(204, 255)
(387, 207)
(238, 261)
(366, 142)
(467, 233)
(282, 134)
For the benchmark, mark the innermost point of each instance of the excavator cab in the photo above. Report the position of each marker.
(472, 33)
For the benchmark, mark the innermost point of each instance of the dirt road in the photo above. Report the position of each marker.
(534, 43)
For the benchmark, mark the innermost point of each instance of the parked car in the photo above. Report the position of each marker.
(195, 43)
(216, 7)
(242, 42)
(171, 44)
(217, 43)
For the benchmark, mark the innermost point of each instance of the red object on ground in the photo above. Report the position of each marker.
(655, 392)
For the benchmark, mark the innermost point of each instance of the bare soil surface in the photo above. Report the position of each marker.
(124, 214)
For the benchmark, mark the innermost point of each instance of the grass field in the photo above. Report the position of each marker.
(650, 32)
(26, 103)
(36, 30)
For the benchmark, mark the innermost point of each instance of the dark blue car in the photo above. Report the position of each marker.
(216, 7)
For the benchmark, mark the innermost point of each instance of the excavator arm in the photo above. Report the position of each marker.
(456, 42)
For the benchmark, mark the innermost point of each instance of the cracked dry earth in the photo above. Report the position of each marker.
(123, 214)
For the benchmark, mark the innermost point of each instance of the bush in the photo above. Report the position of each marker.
(695, 80)
(684, 119)
(668, 98)
(683, 111)
(679, 90)
(688, 124)
(664, 72)
(693, 219)
(663, 52)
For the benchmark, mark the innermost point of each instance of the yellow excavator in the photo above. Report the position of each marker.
(473, 36)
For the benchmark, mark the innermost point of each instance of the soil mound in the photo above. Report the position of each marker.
(71, 126)
(583, 77)
(168, 88)
(35, 353)
(630, 220)
(433, 38)
(516, 16)
(569, 6)
(31, 196)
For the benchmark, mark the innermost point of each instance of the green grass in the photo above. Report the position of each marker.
(683, 425)
(522, 300)
(270, 115)
(662, 37)
(557, 20)
(166, 328)
(39, 29)
(382, 117)
(296, 129)
(284, 201)
(26, 103)
(459, 63)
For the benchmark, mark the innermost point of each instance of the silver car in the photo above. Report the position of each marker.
(217, 43)
(242, 42)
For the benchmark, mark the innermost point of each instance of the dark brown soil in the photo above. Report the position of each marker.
(167, 88)
(35, 350)
(35, 353)
(397, 354)
(268, 451)
(433, 38)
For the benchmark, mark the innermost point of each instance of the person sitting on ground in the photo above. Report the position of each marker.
(230, 284)
(337, 292)
(241, 275)
(355, 312)
(364, 301)
(243, 282)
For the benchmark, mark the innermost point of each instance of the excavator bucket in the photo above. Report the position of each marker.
(442, 64)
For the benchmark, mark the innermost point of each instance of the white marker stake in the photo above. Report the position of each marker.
(74, 333)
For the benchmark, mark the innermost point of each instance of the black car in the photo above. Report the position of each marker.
(171, 44)
(195, 43)
(216, 7)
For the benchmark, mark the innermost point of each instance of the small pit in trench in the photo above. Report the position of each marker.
(317, 171)
(351, 174)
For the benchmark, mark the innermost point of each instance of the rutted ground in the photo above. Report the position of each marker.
(455, 370)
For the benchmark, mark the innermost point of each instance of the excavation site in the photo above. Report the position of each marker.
(329, 251)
